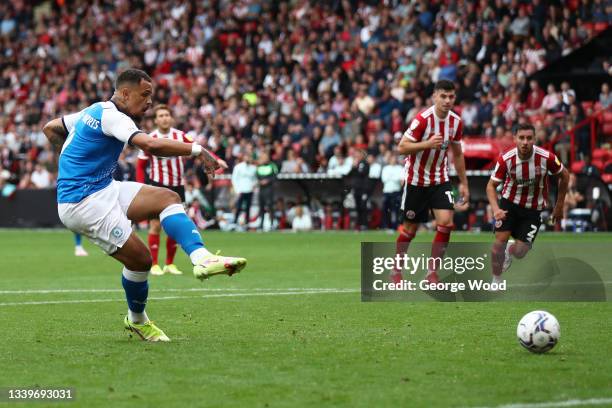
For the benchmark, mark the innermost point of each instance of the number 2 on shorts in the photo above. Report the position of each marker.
(450, 196)
(531, 234)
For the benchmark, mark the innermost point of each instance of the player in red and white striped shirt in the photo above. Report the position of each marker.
(524, 172)
(163, 172)
(427, 186)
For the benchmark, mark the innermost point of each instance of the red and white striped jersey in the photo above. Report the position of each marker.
(167, 171)
(429, 167)
(526, 181)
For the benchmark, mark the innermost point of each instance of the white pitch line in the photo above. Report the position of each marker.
(52, 291)
(219, 295)
(59, 291)
(556, 404)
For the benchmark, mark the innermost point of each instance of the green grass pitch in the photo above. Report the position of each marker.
(289, 331)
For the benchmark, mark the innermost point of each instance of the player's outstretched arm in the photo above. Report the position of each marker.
(162, 147)
(56, 133)
(561, 192)
(167, 148)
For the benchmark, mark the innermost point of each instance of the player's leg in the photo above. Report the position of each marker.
(498, 254)
(135, 257)
(78, 245)
(153, 238)
(102, 219)
(171, 244)
(413, 210)
(525, 232)
(443, 208)
(152, 202)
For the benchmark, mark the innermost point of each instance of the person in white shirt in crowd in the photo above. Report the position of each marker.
(338, 164)
(391, 177)
(605, 97)
(41, 178)
(551, 100)
(192, 194)
(244, 180)
(566, 92)
(302, 221)
(294, 164)
(469, 116)
(375, 167)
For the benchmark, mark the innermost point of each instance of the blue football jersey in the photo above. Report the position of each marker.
(96, 137)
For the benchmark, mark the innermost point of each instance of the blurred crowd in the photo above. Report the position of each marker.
(304, 82)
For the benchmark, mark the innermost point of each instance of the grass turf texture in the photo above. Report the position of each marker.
(318, 349)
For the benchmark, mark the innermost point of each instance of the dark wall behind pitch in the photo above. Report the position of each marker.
(29, 209)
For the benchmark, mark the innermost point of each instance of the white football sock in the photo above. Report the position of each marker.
(138, 318)
(198, 254)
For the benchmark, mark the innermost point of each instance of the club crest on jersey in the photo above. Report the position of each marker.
(498, 223)
(444, 145)
(410, 214)
(117, 232)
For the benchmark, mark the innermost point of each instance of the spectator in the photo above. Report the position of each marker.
(244, 179)
(293, 164)
(469, 115)
(605, 97)
(573, 199)
(330, 139)
(338, 164)
(267, 172)
(534, 98)
(551, 101)
(197, 215)
(302, 221)
(589, 169)
(40, 177)
(358, 181)
(568, 95)
(391, 177)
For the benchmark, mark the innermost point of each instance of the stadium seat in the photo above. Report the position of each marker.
(587, 25)
(599, 164)
(586, 105)
(607, 129)
(577, 166)
(607, 178)
(601, 154)
(599, 27)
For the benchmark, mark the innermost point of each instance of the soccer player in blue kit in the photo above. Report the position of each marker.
(91, 203)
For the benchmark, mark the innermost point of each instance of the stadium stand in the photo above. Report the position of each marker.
(298, 79)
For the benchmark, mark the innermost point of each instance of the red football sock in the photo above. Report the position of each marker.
(497, 257)
(170, 250)
(403, 240)
(440, 242)
(154, 246)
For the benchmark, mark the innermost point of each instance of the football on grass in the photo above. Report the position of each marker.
(538, 331)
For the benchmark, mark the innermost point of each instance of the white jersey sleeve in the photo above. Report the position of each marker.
(69, 120)
(118, 125)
